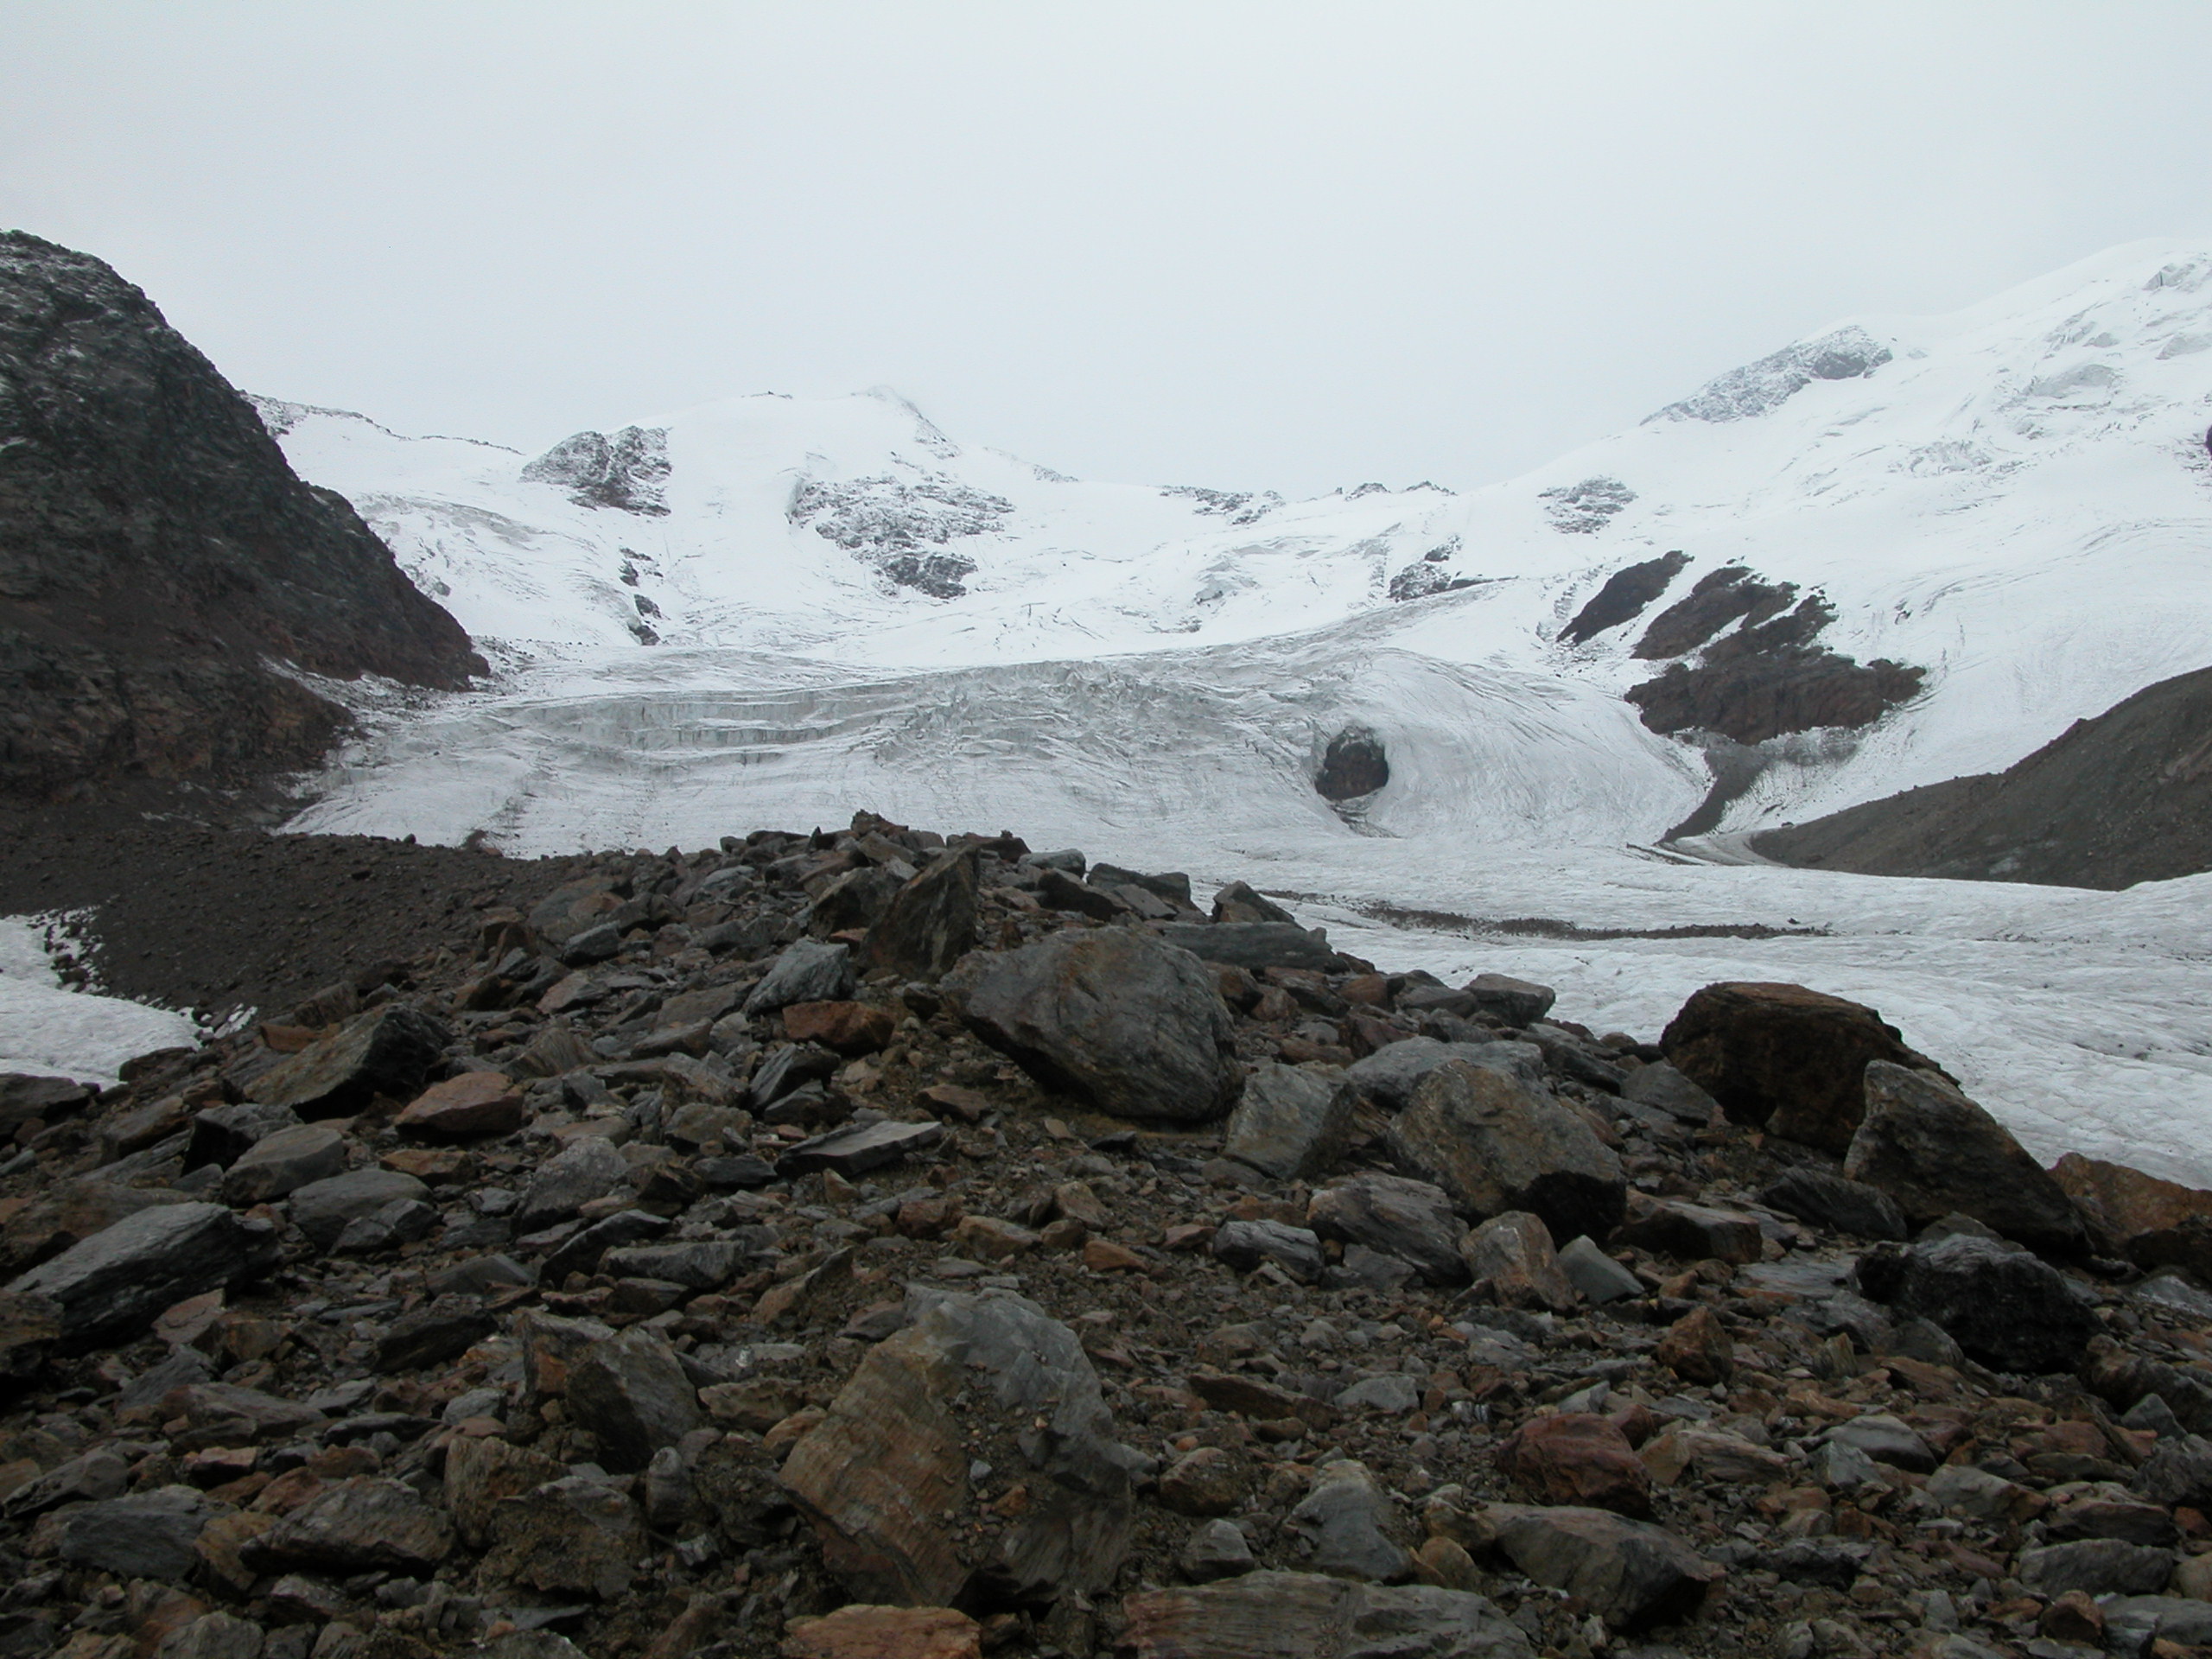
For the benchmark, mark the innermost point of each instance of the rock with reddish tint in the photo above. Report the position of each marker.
(930, 922)
(883, 1477)
(573, 1535)
(847, 1029)
(1512, 1256)
(1790, 1060)
(1205, 1482)
(1313, 1616)
(474, 1103)
(1690, 1232)
(479, 1473)
(1293, 1122)
(368, 1524)
(1632, 1574)
(864, 1632)
(1937, 1153)
(1494, 1144)
(1697, 1348)
(1110, 1016)
(1412, 1221)
(1577, 1458)
(70, 1213)
(2138, 1217)
(388, 1050)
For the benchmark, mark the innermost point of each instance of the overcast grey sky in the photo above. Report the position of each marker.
(1280, 245)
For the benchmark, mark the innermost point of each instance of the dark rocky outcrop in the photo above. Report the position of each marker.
(1623, 597)
(1354, 764)
(2124, 797)
(156, 550)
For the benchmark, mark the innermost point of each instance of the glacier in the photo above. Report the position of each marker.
(771, 611)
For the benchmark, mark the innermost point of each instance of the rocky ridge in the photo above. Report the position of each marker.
(870, 1244)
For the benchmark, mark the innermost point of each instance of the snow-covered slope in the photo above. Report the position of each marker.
(849, 609)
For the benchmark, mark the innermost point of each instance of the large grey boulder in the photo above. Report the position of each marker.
(109, 1287)
(1339, 1526)
(278, 1163)
(1293, 1122)
(1313, 1616)
(885, 1478)
(1937, 1153)
(1828, 1200)
(1111, 1016)
(1632, 1574)
(322, 1210)
(148, 1534)
(2005, 1309)
(388, 1050)
(1389, 1076)
(1244, 1244)
(1495, 1144)
(1408, 1219)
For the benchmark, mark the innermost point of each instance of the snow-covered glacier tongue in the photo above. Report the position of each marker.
(1898, 551)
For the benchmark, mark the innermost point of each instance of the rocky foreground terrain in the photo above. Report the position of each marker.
(865, 1245)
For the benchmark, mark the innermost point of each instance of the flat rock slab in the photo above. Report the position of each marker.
(860, 1631)
(1293, 1122)
(388, 1050)
(1310, 1616)
(1633, 1574)
(1252, 944)
(1410, 1219)
(474, 1103)
(855, 1151)
(111, 1285)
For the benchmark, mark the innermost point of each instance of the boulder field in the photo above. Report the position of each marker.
(873, 1243)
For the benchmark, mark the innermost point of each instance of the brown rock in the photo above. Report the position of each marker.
(862, 1631)
(571, 1536)
(2138, 1217)
(1690, 1232)
(1782, 1057)
(476, 1102)
(2075, 1617)
(360, 1525)
(993, 1240)
(1495, 1144)
(1204, 1482)
(482, 1474)
(1512, 1255)
(845, 1027)
(1103, 1256)
(1697, 1348)
(757, 1405)
(1313, 1616)
(1577, 1458)
(1247, 1397)
(1632, 1574)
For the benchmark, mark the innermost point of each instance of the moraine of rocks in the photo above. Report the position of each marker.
(869, 1243)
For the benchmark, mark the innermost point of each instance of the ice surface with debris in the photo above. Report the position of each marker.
(2015, 497)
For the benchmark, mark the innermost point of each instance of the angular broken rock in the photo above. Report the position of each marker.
(931, 923)
(323, 1210)
(387, 1050)
(1633, 1574)
(1408, 1219)
(1692, 1232)
(110, 1286)
(1495, 1145)
(277, 1164)
(1512, 1255)
(1510, 1001)
(1310, 1616)
(360, 1525)
(807, 971)
(1339, 1526)
(480, 1472)
(573, 1535)
(1111, 1016)
(1831, 1201)
(2138, 1217)
(1218, 1549)
(1597, 1275)
(2005, 1309)
(1660, 1087)
(1253, 945)
(1577, 1458)
(632, 1394)
(1697, 1348)
(476, 1102)
(1244, 1244)
(149, 1534)
(446, 1329)
(1784, 1058)
(855, 1151)
(1389, 1076)
(587, 1168)
(221, 1134)
(1293, 1122)
(882, 1477)
(1935, 1151)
